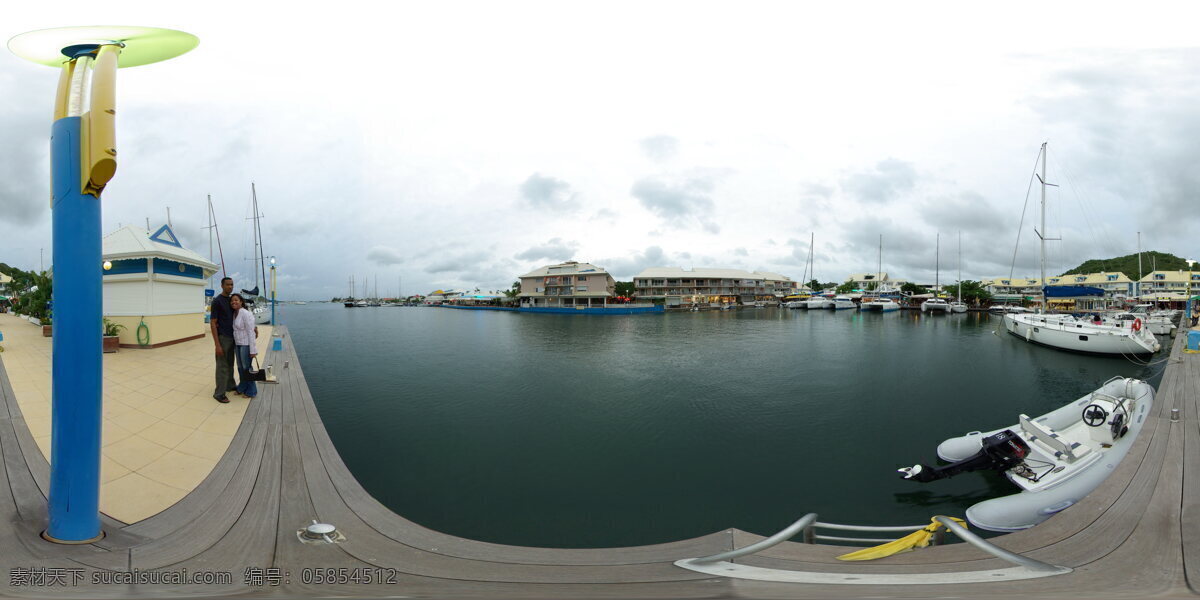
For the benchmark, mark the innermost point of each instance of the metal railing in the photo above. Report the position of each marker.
(807, 525)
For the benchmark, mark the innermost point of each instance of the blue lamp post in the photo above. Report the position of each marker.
(83, 158)
(272, 291)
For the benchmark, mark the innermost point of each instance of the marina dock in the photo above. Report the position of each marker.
(239, 528)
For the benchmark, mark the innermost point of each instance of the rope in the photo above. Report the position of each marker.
(1021, 225)
(142, 327)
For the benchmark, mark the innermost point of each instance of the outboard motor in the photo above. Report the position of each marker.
(1001, 451)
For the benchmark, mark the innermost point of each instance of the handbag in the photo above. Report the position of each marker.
(255, 373)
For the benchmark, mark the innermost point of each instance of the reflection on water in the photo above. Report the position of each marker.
(579, 431)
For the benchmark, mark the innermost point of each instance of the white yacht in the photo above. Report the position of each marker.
(879, 305)
(843, 303)
(936, 305)
(1078, 335)
(819, 302)
(1158, 322)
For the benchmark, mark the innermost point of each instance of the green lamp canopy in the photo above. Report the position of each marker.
(142, 45)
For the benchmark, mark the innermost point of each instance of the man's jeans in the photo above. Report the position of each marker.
(225, 381)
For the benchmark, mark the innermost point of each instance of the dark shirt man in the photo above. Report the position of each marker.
(221, 323)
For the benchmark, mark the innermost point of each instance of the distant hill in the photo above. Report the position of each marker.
(1128, 265)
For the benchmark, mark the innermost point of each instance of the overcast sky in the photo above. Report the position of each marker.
(461, 144)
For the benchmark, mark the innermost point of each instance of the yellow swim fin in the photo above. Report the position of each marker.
(916, 539)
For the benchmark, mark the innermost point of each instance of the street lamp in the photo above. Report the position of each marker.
(272, 291)
(83, 158)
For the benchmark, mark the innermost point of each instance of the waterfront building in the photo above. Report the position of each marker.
(154, 287)
(1013, 290)
(1116, 286)
(875, 282)
(567, 285)
(678, 286)
(1168, 286)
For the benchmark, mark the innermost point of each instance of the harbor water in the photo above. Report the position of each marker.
(577, 431)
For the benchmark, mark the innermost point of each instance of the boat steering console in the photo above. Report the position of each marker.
(1000, 451)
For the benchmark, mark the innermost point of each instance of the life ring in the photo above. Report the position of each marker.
(1137, 324)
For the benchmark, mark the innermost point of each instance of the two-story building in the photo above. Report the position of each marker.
(1116, 286)
(566, 285)
(879, 282)
(1168, 286)
(676, 286)
(1015, 289)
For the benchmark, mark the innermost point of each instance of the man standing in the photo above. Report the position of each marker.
(221, 322)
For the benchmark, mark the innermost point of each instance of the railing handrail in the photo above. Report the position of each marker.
(965, 535)
(791, 530)
(809, 522)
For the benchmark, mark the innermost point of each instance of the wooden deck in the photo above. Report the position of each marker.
(1136, 536)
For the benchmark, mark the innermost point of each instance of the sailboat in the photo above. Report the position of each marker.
(1066, 332)
(349, 302)
(816, 300)
(879, 303)
(958, 306)
(258, 304)
(936, 303)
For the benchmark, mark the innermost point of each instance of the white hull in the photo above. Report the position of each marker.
(262, 315)
(1066, 333)
(1062, 481)
(880, 306)
(843, 304)
(817, 303)
(930, 306)
(958, 307)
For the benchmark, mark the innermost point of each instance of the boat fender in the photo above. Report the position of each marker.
(1059, 507)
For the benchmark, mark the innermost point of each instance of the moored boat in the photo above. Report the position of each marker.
(1055, 460)
(879, 305)
(1078, 335)
(817, 302)
(936, 305)
(843, 303)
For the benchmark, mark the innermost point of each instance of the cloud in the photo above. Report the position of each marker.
(624, 268)
(741, 252)
(466, 261)
(549, 193)
(970, 213)
(554, 250)
(24, 162)
(660, 148)
(1138, 130)
(681, 201)
(604, 214)
(384, 255)
(882, 183)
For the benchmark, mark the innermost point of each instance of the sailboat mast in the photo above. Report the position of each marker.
(959, 267)
(812, 264)
(937, 265)
(262, 264)
(1042, 233)
(1138, 285)
(879, 271)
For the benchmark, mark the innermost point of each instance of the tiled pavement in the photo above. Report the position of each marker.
(162, 431)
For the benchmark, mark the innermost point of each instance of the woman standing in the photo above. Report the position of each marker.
(245, 337)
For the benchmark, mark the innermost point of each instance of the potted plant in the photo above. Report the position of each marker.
(111, 331)
(46, 326)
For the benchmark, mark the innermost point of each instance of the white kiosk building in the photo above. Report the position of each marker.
(152, 280)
